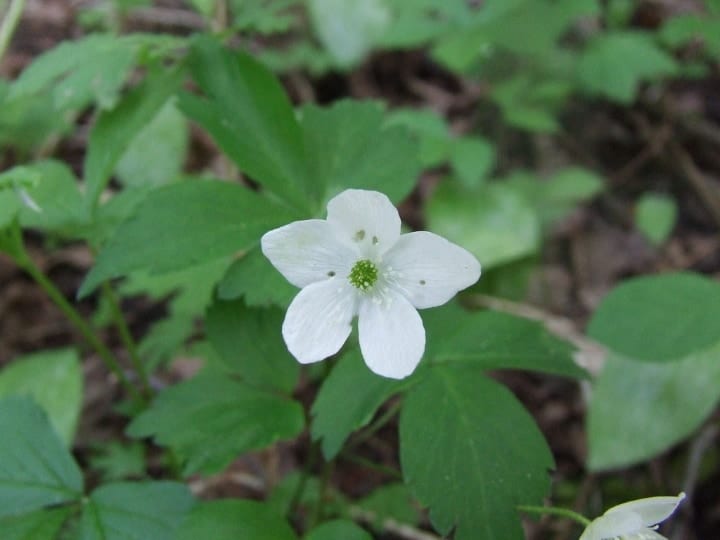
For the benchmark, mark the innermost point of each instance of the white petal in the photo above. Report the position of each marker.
(367, 219)
(307, 251)
(428, 269)
(612, 526)
(318, 321)
(652, 510)
(392, 336)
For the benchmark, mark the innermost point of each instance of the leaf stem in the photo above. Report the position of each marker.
(555, 511)
(9, 24)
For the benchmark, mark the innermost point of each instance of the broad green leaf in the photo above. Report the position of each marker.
(129, 510)
(494, 222)
(10, 206)
(254, 279)
(348, 147)
(185, 224)
(655, 217)
(391, 501)
(211, 419)
(35, 468)
(157, 153)
(249, 343)
(235, 519)
(531, 104)
(115, 129)
(361, 393)
(683, 29)
(116, 461)
(54, 379)
(614, 63)
(472, 454)
(495, 340)
(638, 409)
(350, 28)
(246, 111)
(40, 525)
(659, 318)
(265, 16)
(20, 176)
(429, 128)
(472, 158)
(336, 530)
(415, 22)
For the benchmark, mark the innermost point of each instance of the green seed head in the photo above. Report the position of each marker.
(363, 275)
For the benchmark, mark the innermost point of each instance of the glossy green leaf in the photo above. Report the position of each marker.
(361, 393)
(249, 343)
(126, 510)
(40, 525)
(638, 409)
(54, 379)
(659, 318)
(235, 519)
(35, 468)
(494, 222)
(655, 217)
(337, 529)
(472, 454)
(185, 224)
(246, 111)
(211, 419)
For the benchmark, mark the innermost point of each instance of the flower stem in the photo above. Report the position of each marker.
(10, 22)
(554, 511)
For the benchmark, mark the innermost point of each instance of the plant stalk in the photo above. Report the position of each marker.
(9, 24)
(554, 511)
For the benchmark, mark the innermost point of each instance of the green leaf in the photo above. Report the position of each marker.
(135, 510)
(211, 419)
(655, 217)
(20, 176)
(659, 318)
(54, 379)
(429, 128)
(250, 117)
(35, 468)
(391, 501)
(157, 153)
(114, 130)
(361, 393)
(234, 519)
(472, 454)
(683, 29)
(249, 343)
(348, 147)
(349, 29)
(337, 529)
(185, 224)
(613, 64)
(494, 222)
(254, 279)
(638, 410)
(494, 340)
(283, 496)
(472, 158)
(41, 525)
(531, 104)
(115, 460)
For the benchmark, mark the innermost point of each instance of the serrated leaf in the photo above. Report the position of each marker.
(183, 225)
(495, 340)
(41, 525)
(54, 379)
(361, 393)
(614, 63)
(211, 419)
(115, 129)
(249, 343)
(494, 222)
(638, 409)
(35, 468)
(129, 510)
(336, 529)
(250, 117)
(472, 454)
(659, 318)
(234, 519)
(655, 217)
(348, 147)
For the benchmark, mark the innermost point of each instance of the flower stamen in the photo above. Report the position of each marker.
(363, 275)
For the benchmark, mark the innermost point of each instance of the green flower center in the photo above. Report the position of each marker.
(363, 275)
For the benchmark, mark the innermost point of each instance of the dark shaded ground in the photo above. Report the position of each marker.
(636, 149)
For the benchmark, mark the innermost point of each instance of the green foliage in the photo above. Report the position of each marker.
(54, 380)
(332, 530)
(659, 318)
(655, 217)
(41, 525)
(391, 501)
(116, 461)
(471, 453)
(211, 419)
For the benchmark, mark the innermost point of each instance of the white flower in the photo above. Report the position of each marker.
(634, 520)
(356, 262)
